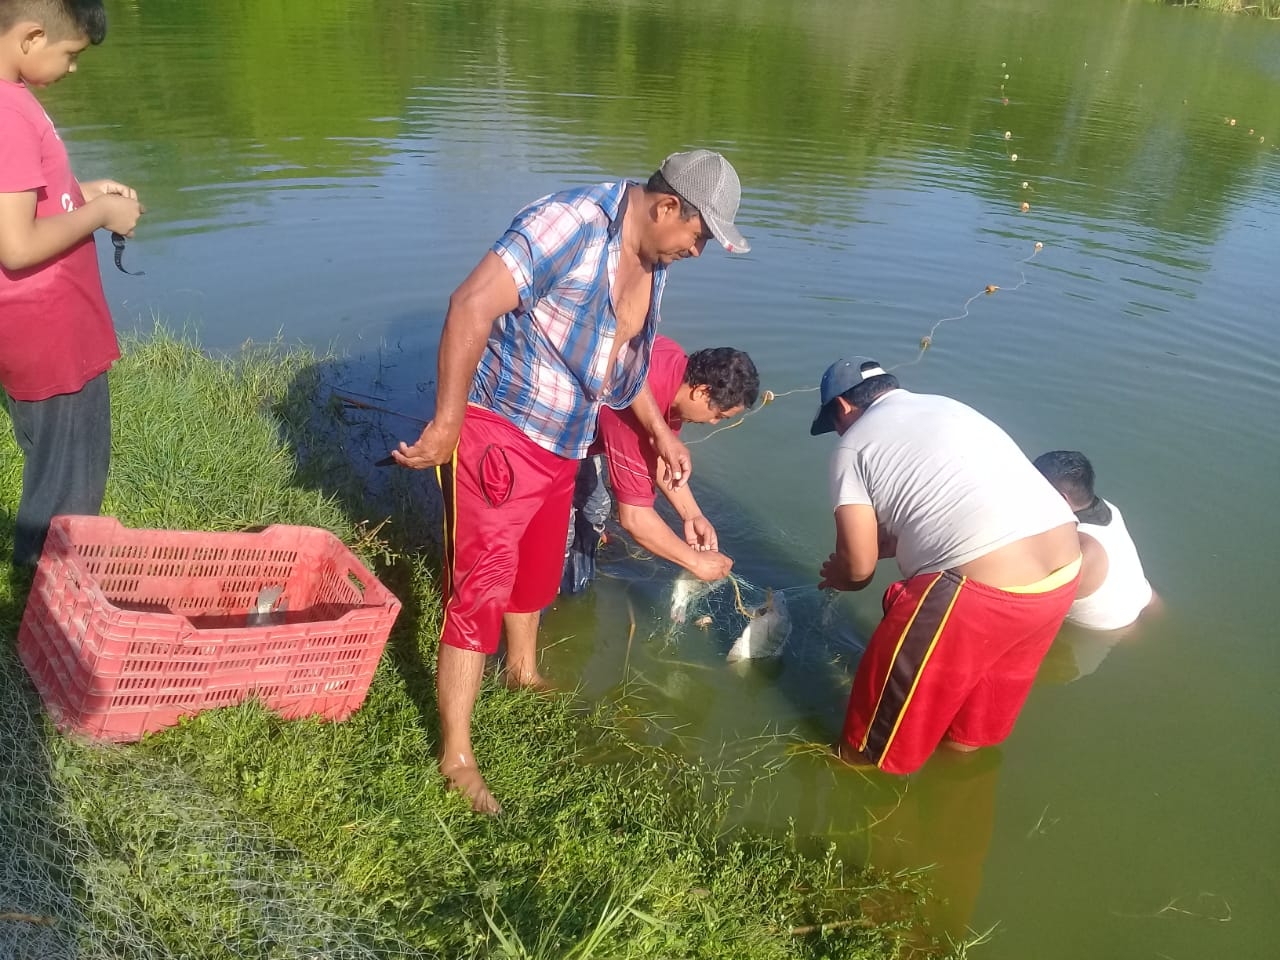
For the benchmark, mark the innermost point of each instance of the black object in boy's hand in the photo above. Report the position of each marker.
(118, 242)
(387, 461)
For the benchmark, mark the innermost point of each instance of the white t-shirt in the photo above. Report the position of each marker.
(1125, 592)
(946, 481)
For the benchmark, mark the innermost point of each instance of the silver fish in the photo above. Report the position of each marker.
(765, 634)
(687, 591)
(270, 608)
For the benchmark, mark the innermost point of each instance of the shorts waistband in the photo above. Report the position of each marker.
(1059, 578)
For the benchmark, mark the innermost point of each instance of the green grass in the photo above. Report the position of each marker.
(1260, 8)
(239, 834)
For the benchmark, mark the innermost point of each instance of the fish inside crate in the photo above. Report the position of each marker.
(126, 631)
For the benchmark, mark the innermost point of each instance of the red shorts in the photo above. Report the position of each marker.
(951, 658)
(506, 516)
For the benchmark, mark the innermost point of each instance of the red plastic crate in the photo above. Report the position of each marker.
(126, 631)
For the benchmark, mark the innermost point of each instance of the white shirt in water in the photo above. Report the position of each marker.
(1125, 592)
(765, 634)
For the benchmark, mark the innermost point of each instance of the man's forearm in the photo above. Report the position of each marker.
(646, 411)
(647, 528)
(857, 545)
(855, 575)
(681, 498)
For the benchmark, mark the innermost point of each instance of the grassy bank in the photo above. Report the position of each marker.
(237, 834)
(1261, 8)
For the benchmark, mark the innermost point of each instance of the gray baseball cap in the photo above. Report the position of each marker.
(841, 377)
(709, 182)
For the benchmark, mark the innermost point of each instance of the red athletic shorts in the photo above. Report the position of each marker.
(506, 517)
(951, 658)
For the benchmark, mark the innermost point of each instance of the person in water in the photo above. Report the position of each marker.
(557, 320)
(1113, 587)
(708, 386)
(57, 339)
(989, 558)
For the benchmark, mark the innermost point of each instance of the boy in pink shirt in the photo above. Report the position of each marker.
(57, 340)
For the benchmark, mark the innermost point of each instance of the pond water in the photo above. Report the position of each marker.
(329, 174)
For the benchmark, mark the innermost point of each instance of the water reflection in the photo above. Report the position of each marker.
(188, 94)
(944, 817)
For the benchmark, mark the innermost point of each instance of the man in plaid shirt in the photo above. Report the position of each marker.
(556, 320)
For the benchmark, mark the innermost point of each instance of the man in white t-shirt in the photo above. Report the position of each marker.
(987, 549)
(1113, 587)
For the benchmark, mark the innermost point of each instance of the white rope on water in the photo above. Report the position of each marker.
(769, 396)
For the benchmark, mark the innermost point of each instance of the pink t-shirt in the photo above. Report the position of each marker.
(56, 332)
(633, 464)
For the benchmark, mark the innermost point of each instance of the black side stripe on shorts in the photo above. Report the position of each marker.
(914, 648)
(447, 477)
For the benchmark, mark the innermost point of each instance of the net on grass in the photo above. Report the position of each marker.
(124, 857)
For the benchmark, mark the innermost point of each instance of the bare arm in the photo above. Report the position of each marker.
(1094, 565)
(669, 448)
(486, 294)
(853, 564)
(698, 531)
(27, 241)
(648, 529)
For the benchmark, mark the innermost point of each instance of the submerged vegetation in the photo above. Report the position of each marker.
(239, 834)
(1262, 8)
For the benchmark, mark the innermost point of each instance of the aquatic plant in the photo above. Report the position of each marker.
(1261, 8)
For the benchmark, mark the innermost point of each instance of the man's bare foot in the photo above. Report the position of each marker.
(465, 778)
(852, 757)
(525, 679)
(957, 746)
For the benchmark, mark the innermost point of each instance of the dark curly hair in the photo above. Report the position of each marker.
(728, 374)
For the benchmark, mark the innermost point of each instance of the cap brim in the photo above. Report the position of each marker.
(729, 236)
(824, 422)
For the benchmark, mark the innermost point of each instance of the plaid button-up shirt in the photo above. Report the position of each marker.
(544, 367)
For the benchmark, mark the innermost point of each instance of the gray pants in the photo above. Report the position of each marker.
(66, 450)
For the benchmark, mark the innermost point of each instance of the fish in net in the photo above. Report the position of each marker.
(762, 621)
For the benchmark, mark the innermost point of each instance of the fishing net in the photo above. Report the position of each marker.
(166, 869)
(810, 623)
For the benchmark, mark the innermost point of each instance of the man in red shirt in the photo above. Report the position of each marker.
(708, 386)
(56, 335)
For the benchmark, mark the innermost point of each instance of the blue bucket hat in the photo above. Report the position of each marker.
(841, 377)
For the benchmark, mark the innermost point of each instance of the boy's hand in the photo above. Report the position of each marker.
(119, 213)
(93, 189)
